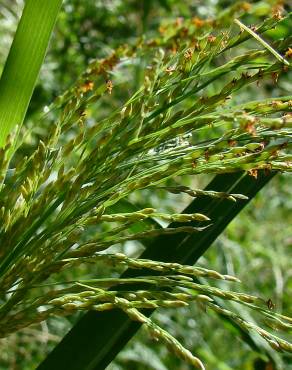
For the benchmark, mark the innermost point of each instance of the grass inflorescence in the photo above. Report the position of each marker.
(56, 203)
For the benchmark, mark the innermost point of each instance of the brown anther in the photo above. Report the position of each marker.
(109, 86)
(87, 86)
(253, 173)
(275, 103)
(277, 12)
(275, 153)
(262, 146)
(275, 76)
(288, 53)
(198, 22)
(184, 32)
(270, 304)
(196, 46)
(188, 54)
(211, 38)
(277, 15)
(109, 63)
(250, 128)
(232, 143)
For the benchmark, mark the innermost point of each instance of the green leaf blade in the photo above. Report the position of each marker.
(24, 61)
(99, 336)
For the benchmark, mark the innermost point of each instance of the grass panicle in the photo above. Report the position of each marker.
(56, 204)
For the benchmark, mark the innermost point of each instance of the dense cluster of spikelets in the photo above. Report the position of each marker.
(55, 202)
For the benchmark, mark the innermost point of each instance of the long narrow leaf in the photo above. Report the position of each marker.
(263, 42)
(98, 337)
(24, 62)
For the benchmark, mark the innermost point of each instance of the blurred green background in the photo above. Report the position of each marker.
(256, 246)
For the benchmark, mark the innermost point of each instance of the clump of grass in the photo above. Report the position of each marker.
(55, 203)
